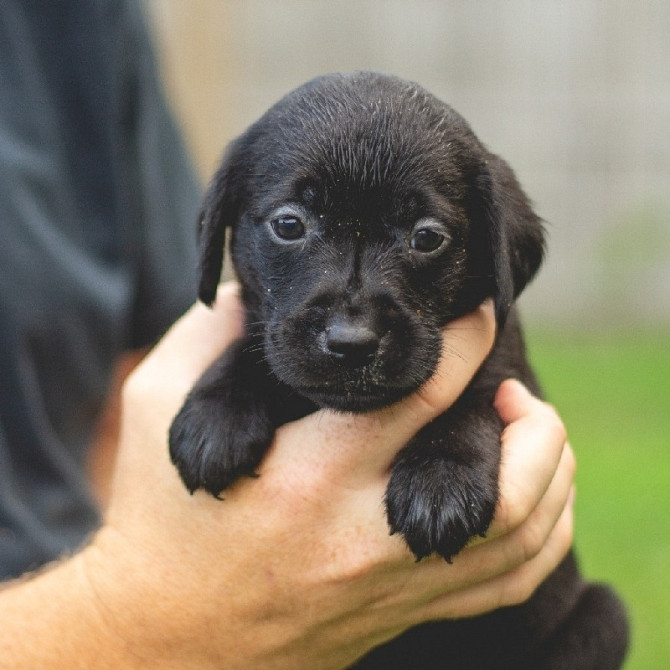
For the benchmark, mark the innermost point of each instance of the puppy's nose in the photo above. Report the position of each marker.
(352, 343)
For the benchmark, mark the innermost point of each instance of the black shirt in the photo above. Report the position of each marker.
(97, 212)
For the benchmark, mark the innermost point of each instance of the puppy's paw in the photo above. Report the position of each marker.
(437, 504)
(212, 444)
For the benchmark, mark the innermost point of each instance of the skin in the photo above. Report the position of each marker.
(295, 568)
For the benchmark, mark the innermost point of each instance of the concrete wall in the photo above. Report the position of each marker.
(574, 94)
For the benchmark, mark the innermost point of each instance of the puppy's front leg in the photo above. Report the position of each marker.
(227, 420)
(444, 485)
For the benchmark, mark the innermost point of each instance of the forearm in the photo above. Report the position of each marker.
(51, 621)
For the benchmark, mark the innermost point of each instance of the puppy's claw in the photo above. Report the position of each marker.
(212, 446)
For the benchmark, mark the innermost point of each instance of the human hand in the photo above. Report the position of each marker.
(296, 568)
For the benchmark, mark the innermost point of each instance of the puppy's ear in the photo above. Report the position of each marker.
(512, 232)
(219, 210)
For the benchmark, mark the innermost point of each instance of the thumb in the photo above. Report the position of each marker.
(466, 342)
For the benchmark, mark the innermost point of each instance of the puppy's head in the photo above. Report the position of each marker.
(365, 215)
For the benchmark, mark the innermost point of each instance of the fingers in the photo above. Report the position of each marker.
(491, 573)
(533, 528)
(509, 588)
(486, 559)
(486, 576)
(533, 444)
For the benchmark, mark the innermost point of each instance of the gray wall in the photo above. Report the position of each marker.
(575, 94)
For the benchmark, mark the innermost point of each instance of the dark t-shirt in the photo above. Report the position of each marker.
(97, 211)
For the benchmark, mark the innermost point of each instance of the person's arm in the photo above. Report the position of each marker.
(294, 568)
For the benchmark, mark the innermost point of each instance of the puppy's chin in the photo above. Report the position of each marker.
(355, 401)
(331, 385)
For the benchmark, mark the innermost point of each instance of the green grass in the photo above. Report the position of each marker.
(613, 392)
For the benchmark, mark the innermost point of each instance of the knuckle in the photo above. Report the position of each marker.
(513, 510)
(540, 559)
(564, 532)
(570, 461)
(554, 424)
(346, 565)
(517, 588)
(531, 541)
(521, 589)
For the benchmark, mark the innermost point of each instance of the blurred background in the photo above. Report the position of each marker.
(575, 95)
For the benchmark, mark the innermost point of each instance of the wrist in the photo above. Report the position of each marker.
(106, 608)
(133, 608)
(55, 622)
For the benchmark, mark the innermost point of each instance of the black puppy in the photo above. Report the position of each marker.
(366, 215)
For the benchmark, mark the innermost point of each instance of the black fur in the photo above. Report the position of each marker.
(365, 215)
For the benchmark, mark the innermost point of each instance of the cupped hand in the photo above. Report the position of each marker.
(296, 568)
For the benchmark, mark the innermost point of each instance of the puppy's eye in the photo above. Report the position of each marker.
(426, 240)
(288, 227)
